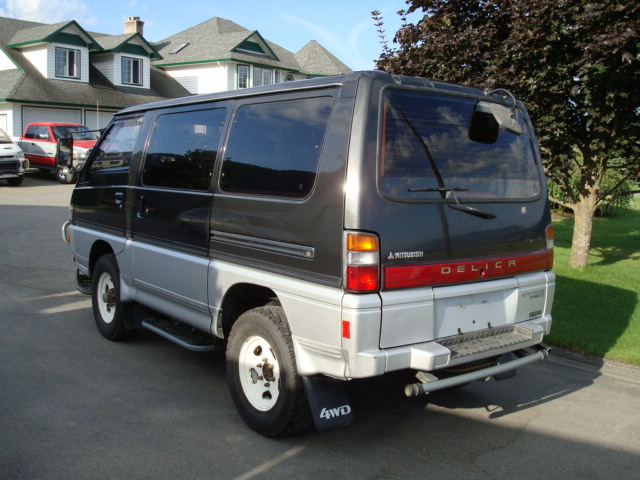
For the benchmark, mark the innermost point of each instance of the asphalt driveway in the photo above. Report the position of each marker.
(74, 405)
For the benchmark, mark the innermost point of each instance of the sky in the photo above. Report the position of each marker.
(344, 27)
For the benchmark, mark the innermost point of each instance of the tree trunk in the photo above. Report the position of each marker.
(584, 211)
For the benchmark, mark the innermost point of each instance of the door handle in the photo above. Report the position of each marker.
(119, 198)
(142, 207)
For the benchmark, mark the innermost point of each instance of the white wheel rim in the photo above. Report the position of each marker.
(106, 294)
(259, 373)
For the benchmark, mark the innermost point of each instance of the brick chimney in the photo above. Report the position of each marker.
(133, 25)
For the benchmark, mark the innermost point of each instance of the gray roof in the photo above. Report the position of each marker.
(117, 42)
(110, 42)
(219, 39)
(26, 84)
(44, 32)
(36, 33)
(314, 59)
(213, 40)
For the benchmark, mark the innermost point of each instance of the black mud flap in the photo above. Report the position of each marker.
(329, 402)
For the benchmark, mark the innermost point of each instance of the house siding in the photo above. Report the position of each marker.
(47, 94)
(5, 62)
(105, 63)
(6, 117)
(207, 78)
(38, 57)
(96, 119)
(191, 83)
(11, 114)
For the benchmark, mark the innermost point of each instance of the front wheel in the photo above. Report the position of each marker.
(262, 375)
(65, 175)
(15, 181)
(108, 311)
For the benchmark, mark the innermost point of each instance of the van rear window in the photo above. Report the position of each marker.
(441, 148)
(274, 148)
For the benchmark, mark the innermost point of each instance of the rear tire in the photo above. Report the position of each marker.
(262, 374)
(108, 310)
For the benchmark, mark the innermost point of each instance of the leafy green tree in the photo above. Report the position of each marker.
(575, 63)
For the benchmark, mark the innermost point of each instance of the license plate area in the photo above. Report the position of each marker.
(462, 313)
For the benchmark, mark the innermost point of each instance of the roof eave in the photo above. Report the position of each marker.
(229, 59)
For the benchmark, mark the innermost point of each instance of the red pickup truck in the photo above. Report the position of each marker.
(39, 143)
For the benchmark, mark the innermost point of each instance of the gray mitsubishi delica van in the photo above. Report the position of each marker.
(321, 231)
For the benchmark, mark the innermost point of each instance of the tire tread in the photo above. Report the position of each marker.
(298, 416)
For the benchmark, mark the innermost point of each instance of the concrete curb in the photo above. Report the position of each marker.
(596, 365)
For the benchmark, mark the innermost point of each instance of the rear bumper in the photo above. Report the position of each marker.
(430, 383)
(452, 351)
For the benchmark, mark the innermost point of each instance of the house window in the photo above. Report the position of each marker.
(262, 76)
(131, 71)
(67, 63)
(243, 76)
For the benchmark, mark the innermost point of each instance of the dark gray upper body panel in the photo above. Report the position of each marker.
(299, 231)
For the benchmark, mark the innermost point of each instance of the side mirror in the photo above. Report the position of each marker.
(64, 152)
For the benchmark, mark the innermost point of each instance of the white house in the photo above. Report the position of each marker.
(61, 72)
(219, 55)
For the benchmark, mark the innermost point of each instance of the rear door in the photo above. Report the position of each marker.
(170, 223)
(458, 200)
(460, 186)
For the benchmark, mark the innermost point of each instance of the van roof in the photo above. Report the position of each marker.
(320, 82)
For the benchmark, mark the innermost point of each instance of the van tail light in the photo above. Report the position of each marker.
(549, 246)
(363, 263)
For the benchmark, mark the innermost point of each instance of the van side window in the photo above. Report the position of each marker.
(274, 148)
(182, 149)
(111, 163)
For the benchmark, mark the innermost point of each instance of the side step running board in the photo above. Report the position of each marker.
(432, 383)
(182, 334)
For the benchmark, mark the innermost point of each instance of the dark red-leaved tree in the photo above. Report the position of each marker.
(575, 63)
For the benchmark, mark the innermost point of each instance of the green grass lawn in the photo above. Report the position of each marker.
(597, 310)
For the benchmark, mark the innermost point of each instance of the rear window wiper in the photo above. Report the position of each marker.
(442, 189)
(471, 210)
(458, 206)
(438, 189)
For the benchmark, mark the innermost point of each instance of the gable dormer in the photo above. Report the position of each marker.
(126, 60)
(59, 51)
(254, 44)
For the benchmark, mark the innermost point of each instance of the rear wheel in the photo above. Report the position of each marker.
(262, 375)
(108, 311)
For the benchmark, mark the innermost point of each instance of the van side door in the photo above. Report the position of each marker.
(170, 222)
